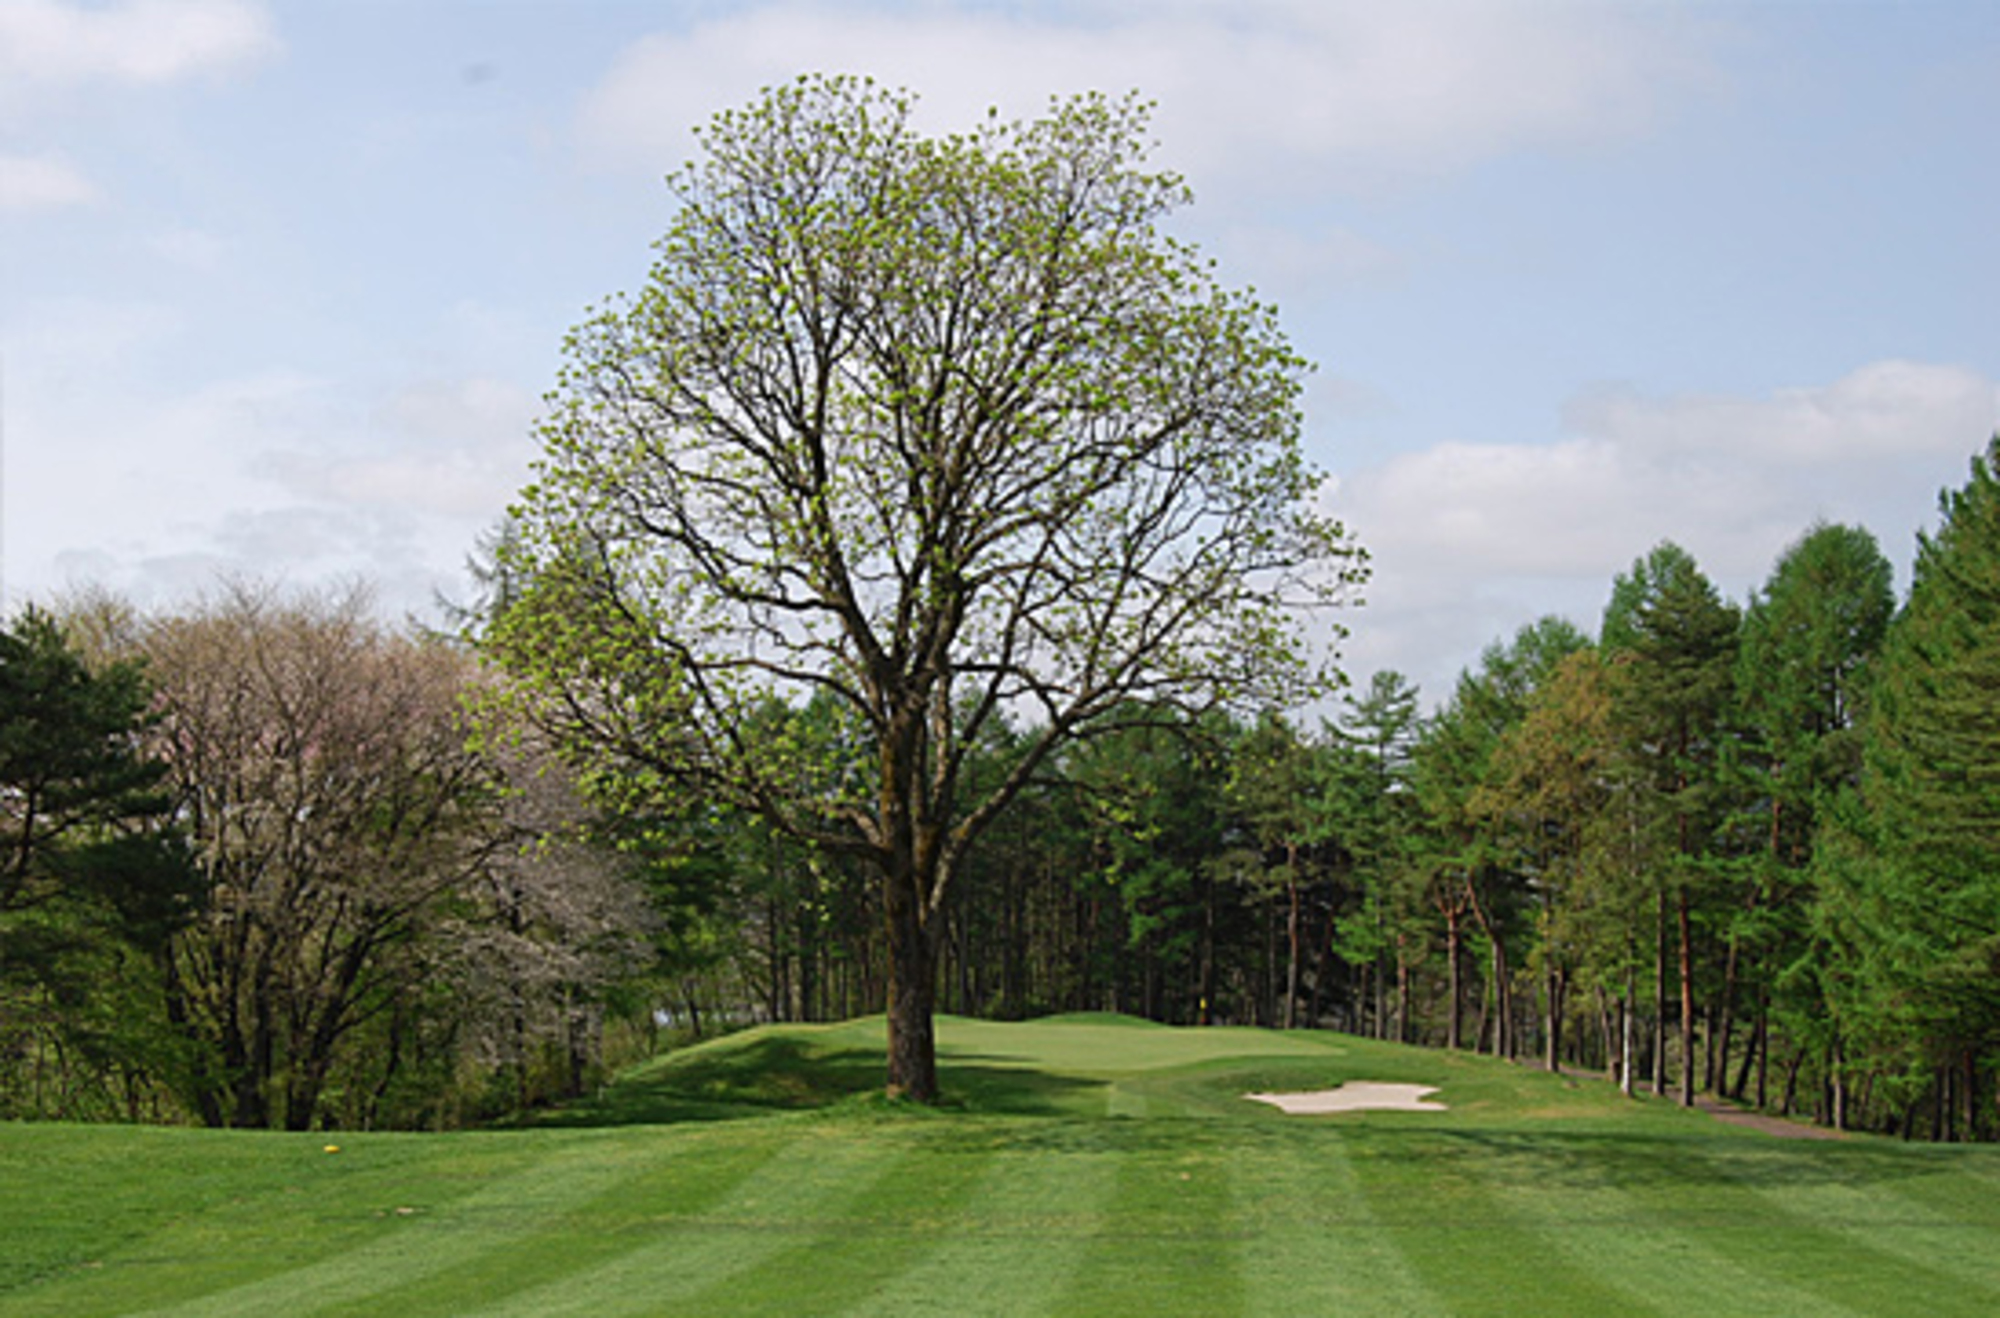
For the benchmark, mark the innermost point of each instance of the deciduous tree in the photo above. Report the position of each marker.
(938, 427)
(322, 769)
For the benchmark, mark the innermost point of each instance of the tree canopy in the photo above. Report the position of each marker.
(939, 428)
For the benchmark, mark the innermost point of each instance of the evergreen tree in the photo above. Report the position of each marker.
(92, 882)
(1913, 902)
(1452, 761)
(1370, 807)
(1673, 641)
(1808, 638)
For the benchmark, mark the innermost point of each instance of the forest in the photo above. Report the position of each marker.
(271, 862)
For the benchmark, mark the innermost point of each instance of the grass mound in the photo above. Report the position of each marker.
(1081, 1165)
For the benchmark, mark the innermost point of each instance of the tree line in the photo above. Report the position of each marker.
(266, 869)
(1736, 849)
(272, 862)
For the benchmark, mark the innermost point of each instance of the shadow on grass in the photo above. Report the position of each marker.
(1634, 1160)
(785, 1074)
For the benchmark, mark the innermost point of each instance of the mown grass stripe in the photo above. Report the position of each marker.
(1456, 1234)
(432, 1238)
(1021, 1235)
(670, 1256)
(1301, 1202)
(1955, 1181)
(1576, 1196)
(1858, 1193)
(889, 1224)
(1744, 1197)
(1168, 1240)
(685, 1179)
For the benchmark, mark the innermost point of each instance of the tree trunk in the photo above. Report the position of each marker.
(1660, 998)
(1975, 1127)
(1625, 1058)
(1553, 1042)
(1751, 1051)
(912, 988)
(1402, 994)
(1502, 997)
(1292, 936)
(1452, 1025)
(1321, 969)
(1207, 1005)
(1838, 1079)
(1381, 998)
(1687, 1000)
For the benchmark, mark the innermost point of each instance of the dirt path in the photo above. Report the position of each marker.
(1783, 1128)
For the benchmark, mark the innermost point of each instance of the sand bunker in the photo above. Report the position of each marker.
(1356, 1096)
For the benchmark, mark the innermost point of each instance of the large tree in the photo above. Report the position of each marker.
(1451, 762)
(1909, 893)
(1672, 640)
(339, 818)
(942, 427)
(1810, 637)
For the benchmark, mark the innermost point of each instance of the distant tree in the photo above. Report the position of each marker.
(1672, 640)
(533, 948)
(1560, 783)
(1368, 808)
(1809, 639)
(1158, 815)
(940, 428)
(1910, 889)
(1451, 762)
(1270, 788)
(92, 878)
(322, 768)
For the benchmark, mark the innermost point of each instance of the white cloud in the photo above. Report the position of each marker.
(474, 413)
(37, 183)
(276, 472)
(1472, 540)
(454, 451)
(1291, 94)
(49, 43)
(1888, 409)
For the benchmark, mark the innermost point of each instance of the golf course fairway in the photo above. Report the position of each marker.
(1080, 1165)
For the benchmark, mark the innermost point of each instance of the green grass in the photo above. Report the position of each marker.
(1084, 1165)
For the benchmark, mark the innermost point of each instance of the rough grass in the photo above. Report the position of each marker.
(1082, 1165)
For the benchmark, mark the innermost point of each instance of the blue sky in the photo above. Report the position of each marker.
(281, 283)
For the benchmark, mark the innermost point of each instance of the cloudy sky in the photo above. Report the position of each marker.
(281, 284)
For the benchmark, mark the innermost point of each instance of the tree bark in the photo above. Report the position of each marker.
(1502, 997)
(912, 993)
(1292, 936)
(1452, 1025)
(1553, 1042)
(1660, 998)
(1625, 1058)
(1687, 1000)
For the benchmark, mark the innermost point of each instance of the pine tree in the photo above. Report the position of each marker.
(1808, 639)
(1916, 906)
(1673, 642)
(92, 882)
